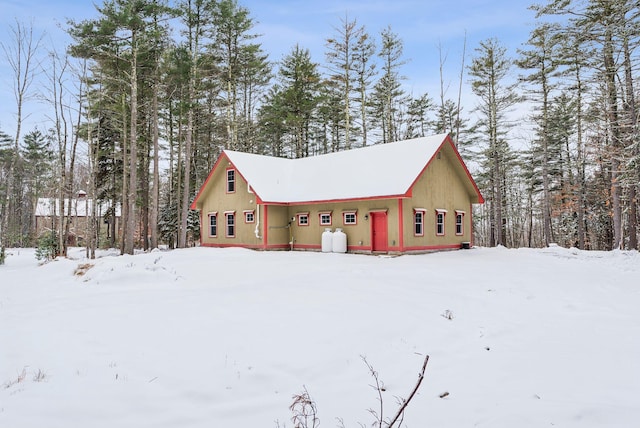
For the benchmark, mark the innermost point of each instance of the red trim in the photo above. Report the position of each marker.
(400, 225)
(344, 218)
(265, 228)
(329, 213)
(226, 179)
(206, 181)
(433, 247)
(444, 222)
(248, 246)
(231, 214)
(407, 194)
(309, 246)
(332, 201)
(471, 224)
(302, 215)
(464, 166)
(422, 211)
(461, 214)
(209, 215)
(475, 186)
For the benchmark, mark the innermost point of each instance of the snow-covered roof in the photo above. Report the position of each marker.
(48, 207)
(368, 172)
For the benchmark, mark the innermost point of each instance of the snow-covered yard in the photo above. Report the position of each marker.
(208, 337)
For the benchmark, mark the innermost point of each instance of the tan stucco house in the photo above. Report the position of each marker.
(408, 196)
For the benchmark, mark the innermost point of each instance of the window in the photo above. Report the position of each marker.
(440, 222)
(303, 219)
(349, 217)
(213, 225)
(249, 216)
(231, 180)
(231, 224)
(325, 218)
(459, 222)
(418, 222)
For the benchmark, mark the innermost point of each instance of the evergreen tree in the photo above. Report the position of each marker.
(298, 97)
(38, 165)
(541, 63)
(388, 93)
(489, 70)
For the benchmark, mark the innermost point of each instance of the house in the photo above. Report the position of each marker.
(80, 209)
(408, 196)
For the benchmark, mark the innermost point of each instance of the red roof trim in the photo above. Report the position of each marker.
(464, 166)
(222, 156)
(466, 170)
(407, 194)
(325, 201)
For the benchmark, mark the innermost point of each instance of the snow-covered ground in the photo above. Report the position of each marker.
(207, 337)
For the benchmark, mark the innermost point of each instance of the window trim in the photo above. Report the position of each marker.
(422, 212)
(210, 215)
(299, 216)
(234, 181)
(443, 213)
(227, 215)
(247, 213)
(460, 214)
(329, 213)
(350, 212)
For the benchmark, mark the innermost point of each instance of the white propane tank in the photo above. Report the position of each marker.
(339, 241)
(327, 240)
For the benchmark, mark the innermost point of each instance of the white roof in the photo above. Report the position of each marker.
(373, 171)
(48, 207)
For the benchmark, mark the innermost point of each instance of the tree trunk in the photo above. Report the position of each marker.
(130, 227)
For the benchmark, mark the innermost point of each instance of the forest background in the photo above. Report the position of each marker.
(147, 93)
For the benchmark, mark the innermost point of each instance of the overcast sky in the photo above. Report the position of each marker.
(428, 29)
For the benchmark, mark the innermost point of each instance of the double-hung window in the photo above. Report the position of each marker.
(231, 180)
(459, 222)
(418, 221)
(230, 217)
(440, 214)
(213, 224)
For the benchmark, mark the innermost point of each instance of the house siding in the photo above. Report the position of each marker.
(440, 187)
(216, 199)
(443, 184)
(358, 235)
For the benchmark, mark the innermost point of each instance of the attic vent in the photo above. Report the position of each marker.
(439, 156)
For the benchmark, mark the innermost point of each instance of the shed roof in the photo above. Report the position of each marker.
(382, 170)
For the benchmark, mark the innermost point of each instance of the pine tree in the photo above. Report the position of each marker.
(388, 93)
(488, 70)
(541, 63)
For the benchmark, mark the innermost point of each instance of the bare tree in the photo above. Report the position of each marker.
(23, 61)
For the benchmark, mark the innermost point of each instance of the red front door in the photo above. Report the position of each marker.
(379, 232)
